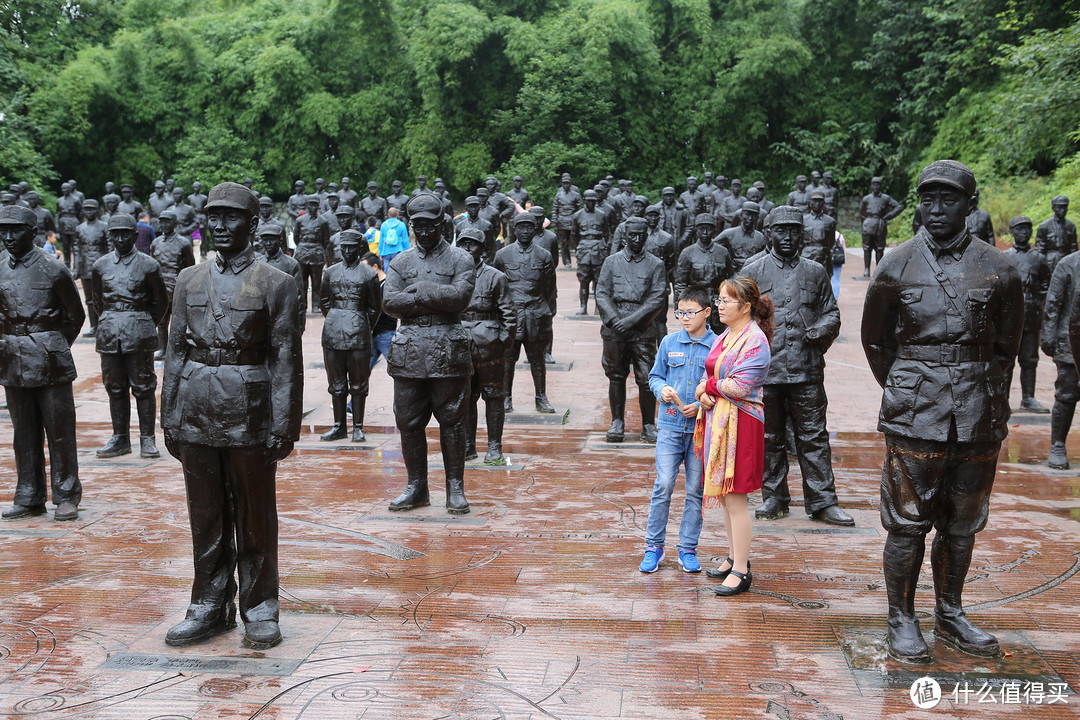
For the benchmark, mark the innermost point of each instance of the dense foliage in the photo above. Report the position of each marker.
(653, 90)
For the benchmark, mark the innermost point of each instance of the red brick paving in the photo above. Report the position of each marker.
(531, 606)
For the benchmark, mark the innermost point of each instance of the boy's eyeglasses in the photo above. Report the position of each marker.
(680, 314)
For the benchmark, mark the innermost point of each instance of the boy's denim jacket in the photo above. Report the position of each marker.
(680, 363)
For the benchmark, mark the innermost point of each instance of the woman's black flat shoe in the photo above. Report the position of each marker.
(743, 586)
(718, 574)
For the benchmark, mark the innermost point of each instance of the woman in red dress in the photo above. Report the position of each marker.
(730, 431)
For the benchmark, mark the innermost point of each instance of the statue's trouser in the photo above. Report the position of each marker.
(618, 358)
(805, 405)
(232, 508)
(38, 413)
(924, 484)
(415, 401)
(134, 371)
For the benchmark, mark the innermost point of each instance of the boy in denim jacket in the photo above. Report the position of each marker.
(679, 364)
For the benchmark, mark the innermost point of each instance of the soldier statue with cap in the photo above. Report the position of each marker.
(941, 323)
(830, 191)
(517, 193)
(1054, 342)
(491, 322)
(1056, 236)
(40, 316)
(979, 223)
(588, 235)
(174, 252)
(131, 301)
(397, 199)
(530, 270)
(350, 300)
(567, 201)
(91, 242)
(807, 322)
(1034, 274)
(543, 237)
(661, 245)
(743, 240)
(428, 287)
(157, 203)
(727, 212)
(271, 238)
(673, 219)
(819, 232)
(128, 204)
(705, 264)
(296, 203)
(631, 292)
(45, 221)
(693, 199)
(266, 210)
(344, 218)
(230, 410)
(800, 196)
(312, 235)
(68, 216)
(372, 204)
(876, 210)
(473, 220)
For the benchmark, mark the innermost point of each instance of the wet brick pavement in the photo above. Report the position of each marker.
(532, 605)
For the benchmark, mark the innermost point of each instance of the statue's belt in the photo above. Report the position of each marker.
(946, 354)
(126, 307)
(28, 328)
(474, 315)
(429, 320)
(215, 357)
(345, 305)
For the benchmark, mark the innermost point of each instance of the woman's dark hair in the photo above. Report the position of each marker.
(762, 309)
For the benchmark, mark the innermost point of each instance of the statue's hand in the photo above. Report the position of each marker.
(813, 335)
(172, 444)
(1047, 348)
(278, 449)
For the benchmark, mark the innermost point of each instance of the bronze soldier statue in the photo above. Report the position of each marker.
(491, 322)
(631, 292)
(800, 196)
(831, 193)
(567, 202)
(271, 237)
(158, 202)
(351, 300)
(296, 203)
(589, 238)
(517, 193)
(131, 301)
(197, 200)
(40, 316)
(231, 404)
(876, 210)
(427, 288)
(819, 232)
(530, 271)
(693, 199)
(347, 195)
(186, 220)
(91, 242)
(979, 223)
(397, 199)
(743, 240)
(344, 218)
(728, 210)
(68, 216)
(128, 204)
(1056, 236)
(174, 252)
(673, 219)
(1035, 277)
(372, 204)
(807, 322)
(1054, 342)
(45, 221)
(941, 323)
(472, 219)
(312, 237)
(704, 265)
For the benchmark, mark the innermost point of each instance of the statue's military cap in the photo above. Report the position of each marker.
(232, 195)
(948, 172)
(424, 205)
(122, 221)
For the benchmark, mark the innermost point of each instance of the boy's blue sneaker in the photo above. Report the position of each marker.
(653, 556)
(688, 561)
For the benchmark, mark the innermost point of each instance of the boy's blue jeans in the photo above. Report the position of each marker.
(672, 449)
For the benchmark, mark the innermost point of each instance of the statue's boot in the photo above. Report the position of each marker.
(903, 558)
(1027, 392)
(120, 442)
(147, 409)
(414, 453)
(1061, 416)
(471, 419)
(495, 419)
(617, 401)
(950, 556)
(539, 373)
(452, 442)
(340, 428)
(647, 403)
(867, 254)
(583, 297)
(162, 341)
(359, 403)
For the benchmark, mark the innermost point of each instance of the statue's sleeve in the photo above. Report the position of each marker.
(176, 353)
(72, 312)
(1053, 310)
(880, 312)
(507, 311)
(285, 364)
(605, 283)
(159, 292)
